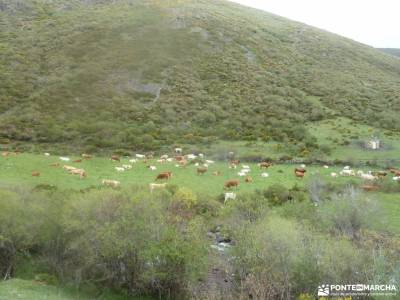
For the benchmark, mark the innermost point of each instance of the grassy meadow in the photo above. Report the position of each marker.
(18, 170)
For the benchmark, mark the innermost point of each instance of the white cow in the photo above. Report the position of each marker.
(47, 154)
(201, 155)
(303, 166)
(170, 159)
(133, 161)
(111, 183)
(265, 175)
(127, 167)
(229, 196)
(245, 167)
(152, 168)
(326, 167)
(165, 156)
(64, 158)
(242, 174)
(119, 169)
(368, 176)
(191, 156)
(154, 186)
(396, 178)
(347, 172)
(178, 150)
(334, 175)
(140, 156)
(210, 161)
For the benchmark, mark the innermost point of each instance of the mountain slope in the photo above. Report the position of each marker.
(141, 74)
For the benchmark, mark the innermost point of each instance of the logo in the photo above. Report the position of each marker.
(334, 290)
(323, 290)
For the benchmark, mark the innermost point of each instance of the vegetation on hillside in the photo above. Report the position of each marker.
(159, 244)
(143, 74)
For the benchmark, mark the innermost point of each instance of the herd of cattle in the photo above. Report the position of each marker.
(202, 167)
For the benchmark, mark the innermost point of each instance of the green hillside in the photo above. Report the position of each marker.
(143, 74)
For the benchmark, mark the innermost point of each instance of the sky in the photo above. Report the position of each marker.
(372, 22)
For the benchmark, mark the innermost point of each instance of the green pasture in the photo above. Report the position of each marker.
(18, 289)
(18, 170)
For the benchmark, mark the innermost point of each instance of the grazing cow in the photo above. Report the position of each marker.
(264, 165)
(326, 167)
(265, 175)
(368, 176)
(47, 154)
(396, 178)
(234, 162)
(231, 183)
(77, 161)
(300, 172)
(140, 156)
(393, 170)
(111, 183)
(127, 167)
(248, 179)
(347, 172)
(370, 188)
(210, 161)
(183, 163)
(397, 173)
(179, 158)
(55, 165)
(232, 166)
(380, 174)
(216, 173)
(201, 155)
(154, 186)
(178, 150)
(229, 196)
(191, 156)
(165, 156)
(164, 175)
(196, 164)
(80, 172)
(68, 168)
(119, 169)
(334, 175)
(115, 158)
(86, 156)
(152, 168)
(201, 170)
(132, 161)
(242, 174)
(35, 174)
(170, 159)
(245, 167)
(346, 168)
(161, 161)
(64, 158)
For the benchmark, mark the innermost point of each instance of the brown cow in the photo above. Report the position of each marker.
(201, 170)
(264, 165)
(234, 162)
(299, 174)
(80, 172)
(115, 158)
(77, 161)
(248, 179)
(86, 156)
(300, 170)
(35, 174)
(231, 183)
(164, 175)
(216, 173)
(370, 188)
(179, 157)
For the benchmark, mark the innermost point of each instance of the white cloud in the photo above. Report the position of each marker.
(373, 22)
